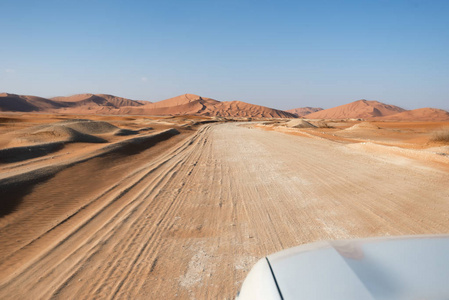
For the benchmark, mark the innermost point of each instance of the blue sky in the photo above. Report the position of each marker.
(282, 54)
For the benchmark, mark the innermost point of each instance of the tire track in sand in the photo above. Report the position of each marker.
(117, 205)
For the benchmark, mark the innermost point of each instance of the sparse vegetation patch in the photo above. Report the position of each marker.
(441, 136)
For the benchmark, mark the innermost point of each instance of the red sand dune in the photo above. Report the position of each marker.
(303, 111)
(421, 114)
(242, 109)
(359, 109)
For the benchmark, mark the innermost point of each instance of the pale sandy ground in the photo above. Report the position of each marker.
(188, 218)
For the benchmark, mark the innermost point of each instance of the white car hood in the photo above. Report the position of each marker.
(415, 267)
(399, 268)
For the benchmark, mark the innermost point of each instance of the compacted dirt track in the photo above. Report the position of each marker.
(190, 222)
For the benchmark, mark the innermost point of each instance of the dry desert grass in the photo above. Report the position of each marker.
(441, 136)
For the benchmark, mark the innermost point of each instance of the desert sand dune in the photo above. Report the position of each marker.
(359, 109)
(188, 218)
(242, 109)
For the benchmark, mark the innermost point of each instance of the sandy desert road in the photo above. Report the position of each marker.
(190, 222)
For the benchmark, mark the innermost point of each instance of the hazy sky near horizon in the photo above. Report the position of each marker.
(281, 54)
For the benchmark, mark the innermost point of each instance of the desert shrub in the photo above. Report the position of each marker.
(441, 136)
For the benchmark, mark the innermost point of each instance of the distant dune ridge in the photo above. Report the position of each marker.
(73, 104)
(99, 99)
(13, 102)
(187, 104)
(303, 111)
(362, 109)
(190, 104)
